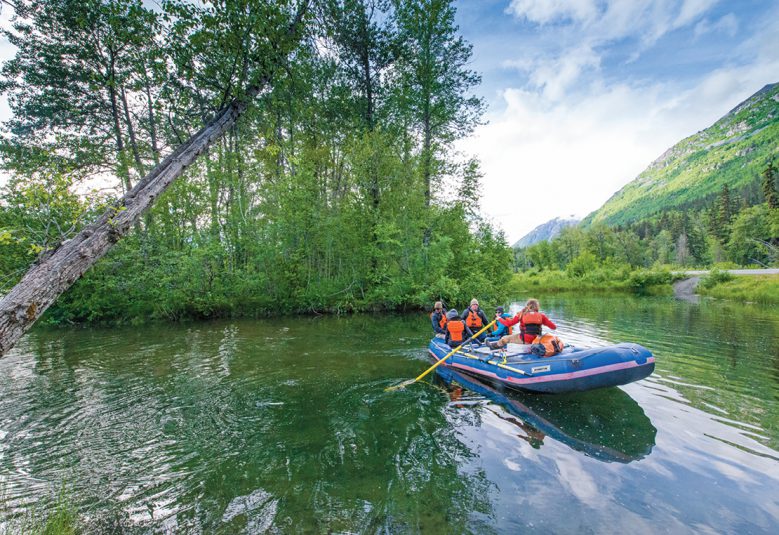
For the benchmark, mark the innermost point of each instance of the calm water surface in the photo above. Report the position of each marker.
(284, 426)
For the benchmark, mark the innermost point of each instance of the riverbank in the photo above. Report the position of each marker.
(755, 289)
(603, 280)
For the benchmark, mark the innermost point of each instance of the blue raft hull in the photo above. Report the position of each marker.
(573, 370)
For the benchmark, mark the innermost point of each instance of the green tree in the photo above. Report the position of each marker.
(750, 236)
(73, 80)
(434, 81)
(724, 213)
(769, 185)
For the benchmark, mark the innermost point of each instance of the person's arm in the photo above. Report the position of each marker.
(546, 321)
(509, 322)
(468, 332)
(483, 317)
(435, 320)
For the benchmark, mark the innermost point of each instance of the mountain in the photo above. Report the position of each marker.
(733, 151)
(545, 232)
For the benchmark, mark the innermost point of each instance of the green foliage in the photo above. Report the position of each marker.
(714, 278)
(62, 519)
(338, 191)
(582, 264)
(770, 194)
(750, 236)
(642, 280)
(36, 214)
(755, 289)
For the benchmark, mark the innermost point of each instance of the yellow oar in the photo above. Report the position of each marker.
(440, 361)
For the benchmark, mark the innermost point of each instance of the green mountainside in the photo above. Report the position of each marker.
(733, 151)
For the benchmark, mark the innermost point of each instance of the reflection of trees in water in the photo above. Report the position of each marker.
(607, 424)
(718, 353)
(331, 450)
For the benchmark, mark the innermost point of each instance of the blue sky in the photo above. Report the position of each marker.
(584, 94)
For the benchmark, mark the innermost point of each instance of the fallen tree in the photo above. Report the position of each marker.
(58, 269)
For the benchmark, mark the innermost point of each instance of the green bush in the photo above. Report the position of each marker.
(714, 278)
(582, 265)
(642, 280)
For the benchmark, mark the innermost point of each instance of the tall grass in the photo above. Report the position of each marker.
(61, 519)
(752, 288)
(600, 280)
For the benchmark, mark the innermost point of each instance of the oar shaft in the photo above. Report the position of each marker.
(453, 351)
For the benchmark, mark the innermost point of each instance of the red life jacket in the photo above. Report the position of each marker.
(442, 321)
(531, 323)
(456, 330)
(473, 320)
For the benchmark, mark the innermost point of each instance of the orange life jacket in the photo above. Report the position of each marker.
(532, 322)
(552, 344)
(473, 320)
(442, 321)
(456, 330)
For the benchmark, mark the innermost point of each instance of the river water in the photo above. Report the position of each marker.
(284, 426)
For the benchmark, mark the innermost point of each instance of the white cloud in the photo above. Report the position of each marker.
(563, 139)
(546, 11)
(727, 25)
(543, 157)
(586, 27)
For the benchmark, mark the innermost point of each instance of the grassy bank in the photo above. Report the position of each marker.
(602, 280)
(753, 288)
(62, 519)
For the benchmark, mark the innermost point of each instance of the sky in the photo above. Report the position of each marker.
(583, 95)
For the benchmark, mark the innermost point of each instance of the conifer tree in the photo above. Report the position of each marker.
(769, 185)
(724, 213)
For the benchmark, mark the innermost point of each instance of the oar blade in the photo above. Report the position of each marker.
(400, 386)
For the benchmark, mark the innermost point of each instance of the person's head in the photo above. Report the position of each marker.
(499, 310)
(438, 306)
(452, 314)
(532, 304)
(474, 304)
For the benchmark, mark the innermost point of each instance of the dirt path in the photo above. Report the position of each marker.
(685, 289)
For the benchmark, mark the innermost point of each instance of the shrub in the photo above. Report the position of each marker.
(714, 278)
(641, 281)
(582, 264)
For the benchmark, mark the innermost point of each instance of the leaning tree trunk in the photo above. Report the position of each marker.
(57, 271)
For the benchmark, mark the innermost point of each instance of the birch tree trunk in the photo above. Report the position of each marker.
(54, 273)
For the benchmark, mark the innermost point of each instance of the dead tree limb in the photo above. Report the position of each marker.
(48, 278)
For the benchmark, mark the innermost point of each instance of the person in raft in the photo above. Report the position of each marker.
(475, 319)
(499, 330)
(457, 331)
(438, 319)
(531, 320)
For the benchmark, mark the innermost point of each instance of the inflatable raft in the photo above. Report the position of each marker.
(572, 370)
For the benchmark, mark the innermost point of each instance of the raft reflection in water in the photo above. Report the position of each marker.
(605, 424)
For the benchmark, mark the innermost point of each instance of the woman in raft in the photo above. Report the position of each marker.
(531, 320)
